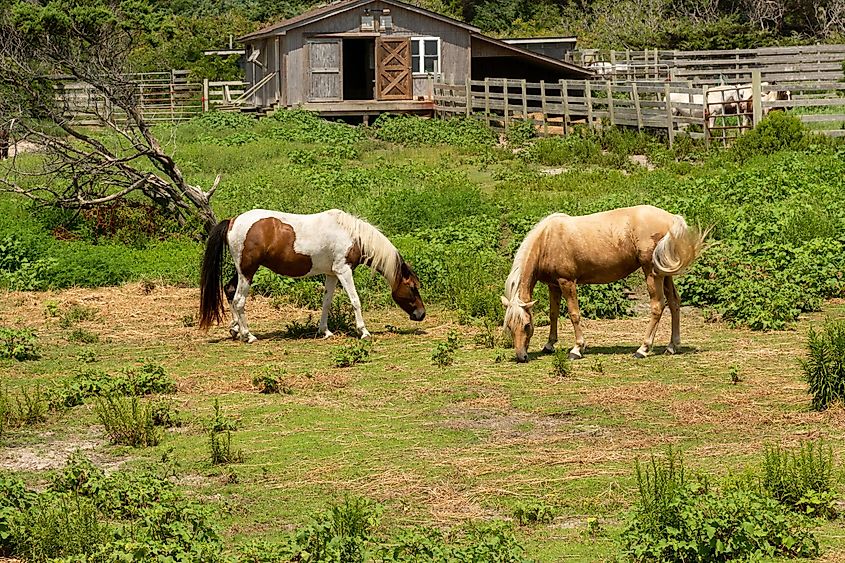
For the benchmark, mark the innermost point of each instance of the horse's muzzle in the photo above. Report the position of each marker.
(521, 357)
(417, 315)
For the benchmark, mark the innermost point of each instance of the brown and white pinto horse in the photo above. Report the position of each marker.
(331, 243)
(562, 251)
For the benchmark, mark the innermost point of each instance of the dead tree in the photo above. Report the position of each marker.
(82, 167)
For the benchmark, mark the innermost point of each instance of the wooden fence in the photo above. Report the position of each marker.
(821, 63)
(675, 107)
(162, 96)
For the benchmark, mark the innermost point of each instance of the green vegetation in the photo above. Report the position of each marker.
(824, 370)
(801, 479)
(443, 354)
(18, 344)
(128, 421)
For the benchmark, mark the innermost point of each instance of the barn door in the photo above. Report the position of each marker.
(325, 70)
(393, 68)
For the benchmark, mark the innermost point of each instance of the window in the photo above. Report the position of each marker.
(425, 55)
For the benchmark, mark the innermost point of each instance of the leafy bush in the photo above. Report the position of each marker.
(18, 344)
(682, 519)
(520, 132)
(303, 126)
(464, 132)
(778, 131)
(128, 421)
(561, 364)
(824, 370)
(443, 354)
(220, 438)
(343, 533)
(533, 513)
(21, 266)
(604, 301)
(83, 336)
(147, 379)
(352, 354)
(75, 314)
(801, 479)
(218, 120)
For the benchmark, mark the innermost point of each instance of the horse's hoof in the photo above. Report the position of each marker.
(234, 332)
(365, 335)
(249, 339)
(326, 334)
(670, 352)
(574, 356)
(548, 349)
(639, 355)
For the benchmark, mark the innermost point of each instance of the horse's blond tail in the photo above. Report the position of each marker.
(678, 248)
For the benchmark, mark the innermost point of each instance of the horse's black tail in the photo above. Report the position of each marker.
(211, 291)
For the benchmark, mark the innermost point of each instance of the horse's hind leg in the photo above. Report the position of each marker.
(239, 306)
(554, 313)
(330, 285)
(674, 301)
(655, 292)
(229, 290)
(570, 293)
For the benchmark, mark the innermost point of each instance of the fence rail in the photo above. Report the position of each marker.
(704, 112)
(776, 64)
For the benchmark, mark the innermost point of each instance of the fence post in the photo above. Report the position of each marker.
(543, 107)
(705, 114)
(636, 97)
(469, 97)
(525, 100)
(205, 94)
(588, 94)
(487, 101)
(756, 98)
(610, 104)
(670, 119)
(507, 105)
(172, 96)
(564, 94)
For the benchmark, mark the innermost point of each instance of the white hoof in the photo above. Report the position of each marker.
(641, 352)
(575, 354)
(671, 350)
(248, 338)
(365, 334)
(325, 334)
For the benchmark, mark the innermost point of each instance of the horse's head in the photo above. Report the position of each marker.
(406, 292)
(519, 321)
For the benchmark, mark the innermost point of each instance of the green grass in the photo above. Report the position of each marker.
(444, 446)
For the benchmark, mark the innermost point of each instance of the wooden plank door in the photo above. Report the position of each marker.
(325, 70)
(393, 68)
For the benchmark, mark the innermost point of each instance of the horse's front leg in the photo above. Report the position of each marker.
(554, 313)
(330, 285)
(348, 284)
(570, 293)
(655, 293)
(674, 302)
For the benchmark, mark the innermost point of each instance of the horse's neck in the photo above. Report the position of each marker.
(527, 278)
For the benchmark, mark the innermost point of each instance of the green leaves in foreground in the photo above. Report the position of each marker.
(678, 518)
(824, 370)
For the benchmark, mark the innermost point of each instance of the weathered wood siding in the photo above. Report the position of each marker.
(454, 47)
(268, 57)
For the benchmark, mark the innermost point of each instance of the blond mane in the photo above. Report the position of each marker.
(376, 250)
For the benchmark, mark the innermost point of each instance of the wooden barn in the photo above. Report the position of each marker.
(364, 57)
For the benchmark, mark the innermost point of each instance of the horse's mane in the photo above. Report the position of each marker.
(515, 276)
(376, 250)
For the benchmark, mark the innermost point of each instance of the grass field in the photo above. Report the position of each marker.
(437, 446)
(470, 442)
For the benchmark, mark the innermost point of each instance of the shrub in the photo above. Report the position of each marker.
(76, 313)
(343, 533)
(58, 525)
(561, 364)
(18, 344)
(220, 438)
(266, 383)
(83, 336)
(604, 301)
(352, 354)
(678, 519)
(824, 370)
(778, 131)
(467, 132)
(21, 266)
(128, 421)
(801, 479)
(147, 379)
(443, 354)
(520, 132)
(533, 513)
(219, 120)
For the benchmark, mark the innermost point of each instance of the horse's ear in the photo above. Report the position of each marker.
(406, 271)
(505, 301)
(529, 305)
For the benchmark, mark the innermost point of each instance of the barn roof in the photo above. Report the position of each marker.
(327, 10)
(535, 57)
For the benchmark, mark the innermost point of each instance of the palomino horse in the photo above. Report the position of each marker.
(562, 251)
(331, 243)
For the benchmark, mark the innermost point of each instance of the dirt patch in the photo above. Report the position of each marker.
(54, 454)
(641, 160)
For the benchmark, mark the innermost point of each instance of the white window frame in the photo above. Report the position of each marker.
(420, 40)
